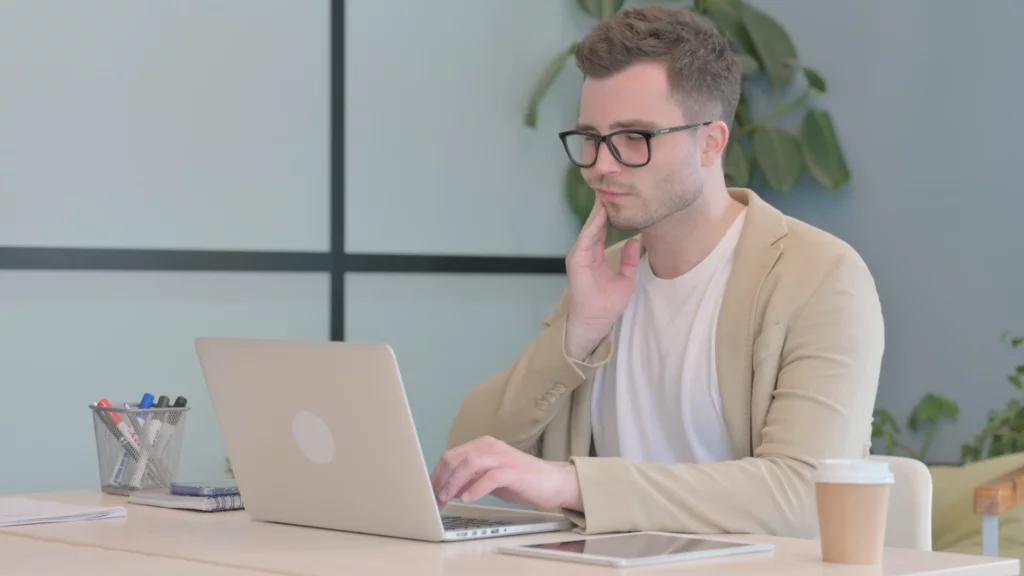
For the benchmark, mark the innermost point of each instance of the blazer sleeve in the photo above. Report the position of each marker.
(516, 405)
(821, 408)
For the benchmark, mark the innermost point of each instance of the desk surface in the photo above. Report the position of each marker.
(25, 556)
(232, 539)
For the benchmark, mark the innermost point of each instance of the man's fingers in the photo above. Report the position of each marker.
(594, 226)
(463, 474)
(597, 207)
(630, 260)
(449, 462)
(487, 483)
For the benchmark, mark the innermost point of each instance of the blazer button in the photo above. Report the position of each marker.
(542, 404)
(560, 388)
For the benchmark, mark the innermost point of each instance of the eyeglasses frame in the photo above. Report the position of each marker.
(606, 139)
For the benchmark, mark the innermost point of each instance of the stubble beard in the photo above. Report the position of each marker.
(673, 193)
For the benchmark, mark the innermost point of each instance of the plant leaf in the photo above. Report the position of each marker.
(601, 9)
(772, 44)
(1015, 380)
(1020, 369)
(996, 447)
(884, 421)
(728, 18)
(822, 153)
(969, 453)
(547, 79)
(737, 165)
(931, 410)
(778, 154)
(742, 117)
(814, 80)
(1016, 342)
(578, 193)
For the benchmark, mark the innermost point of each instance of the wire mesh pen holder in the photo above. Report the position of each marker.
(138, 448)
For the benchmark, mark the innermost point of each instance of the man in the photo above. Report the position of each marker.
(690, 378)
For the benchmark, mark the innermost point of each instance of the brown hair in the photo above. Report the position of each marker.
(702, 67)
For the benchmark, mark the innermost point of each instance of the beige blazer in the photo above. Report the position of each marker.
(799, 347)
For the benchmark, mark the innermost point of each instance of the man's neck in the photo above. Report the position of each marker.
(678, 243)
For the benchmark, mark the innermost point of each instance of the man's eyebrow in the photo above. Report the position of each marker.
(620, 124)
(633, 123)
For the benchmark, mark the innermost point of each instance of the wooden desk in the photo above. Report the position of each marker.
(24, 556)
(231, 539)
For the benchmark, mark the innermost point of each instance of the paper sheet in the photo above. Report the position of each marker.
(16, 511)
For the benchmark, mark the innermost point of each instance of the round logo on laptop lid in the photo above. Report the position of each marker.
(313, 437)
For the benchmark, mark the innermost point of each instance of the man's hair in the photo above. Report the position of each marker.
(703, 70)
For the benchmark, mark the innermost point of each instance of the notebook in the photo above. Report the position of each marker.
(201, 503)
(15, 511)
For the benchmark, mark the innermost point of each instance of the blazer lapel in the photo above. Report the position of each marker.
(758, 249)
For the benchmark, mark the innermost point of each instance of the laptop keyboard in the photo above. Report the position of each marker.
(460, 523)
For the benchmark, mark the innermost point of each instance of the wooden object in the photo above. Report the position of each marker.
(1000, 494)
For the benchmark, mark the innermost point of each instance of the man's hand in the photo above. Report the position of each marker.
(488, 466)
(597, 295)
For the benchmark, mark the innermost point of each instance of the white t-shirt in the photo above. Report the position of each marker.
(656, 399)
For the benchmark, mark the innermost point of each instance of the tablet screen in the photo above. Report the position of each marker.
(638, 545)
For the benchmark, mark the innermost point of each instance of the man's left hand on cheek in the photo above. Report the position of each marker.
(488, 466)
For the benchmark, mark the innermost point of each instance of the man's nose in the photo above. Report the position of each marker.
(606, 162)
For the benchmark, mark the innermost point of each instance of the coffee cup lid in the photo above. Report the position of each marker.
(854, 471)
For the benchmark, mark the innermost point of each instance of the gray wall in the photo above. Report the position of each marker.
(438, 161)
(925, 98)
(179, 125)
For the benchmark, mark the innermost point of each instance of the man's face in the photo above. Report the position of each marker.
(639, 97)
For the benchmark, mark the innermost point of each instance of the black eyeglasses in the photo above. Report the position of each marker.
(631, 147)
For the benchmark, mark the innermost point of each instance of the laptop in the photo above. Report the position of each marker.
(320, 434)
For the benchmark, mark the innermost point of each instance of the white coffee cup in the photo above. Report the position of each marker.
(853, 505)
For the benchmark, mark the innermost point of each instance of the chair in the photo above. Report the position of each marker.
(909, 523)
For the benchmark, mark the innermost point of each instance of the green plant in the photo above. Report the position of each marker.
(1003, 432)
(765, 51)
(925, 417)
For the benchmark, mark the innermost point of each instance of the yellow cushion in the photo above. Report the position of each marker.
(955, 526)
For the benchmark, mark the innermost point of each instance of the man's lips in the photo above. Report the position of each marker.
(611, 193)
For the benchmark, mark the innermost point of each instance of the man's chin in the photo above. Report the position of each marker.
(623, 224)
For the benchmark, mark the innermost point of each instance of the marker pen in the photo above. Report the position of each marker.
(169, 425)
(123, 435)
(118, 471)
(120, 425)
(157, 421)
(141, 465)
(152, 434)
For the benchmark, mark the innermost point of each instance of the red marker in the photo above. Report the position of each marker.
(124, 436)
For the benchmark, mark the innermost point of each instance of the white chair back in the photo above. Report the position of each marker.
(910, 504)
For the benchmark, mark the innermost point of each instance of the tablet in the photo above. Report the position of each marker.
(635, 549)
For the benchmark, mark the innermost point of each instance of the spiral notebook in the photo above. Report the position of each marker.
(201, 503)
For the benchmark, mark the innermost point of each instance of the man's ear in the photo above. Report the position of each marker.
(714, 139)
